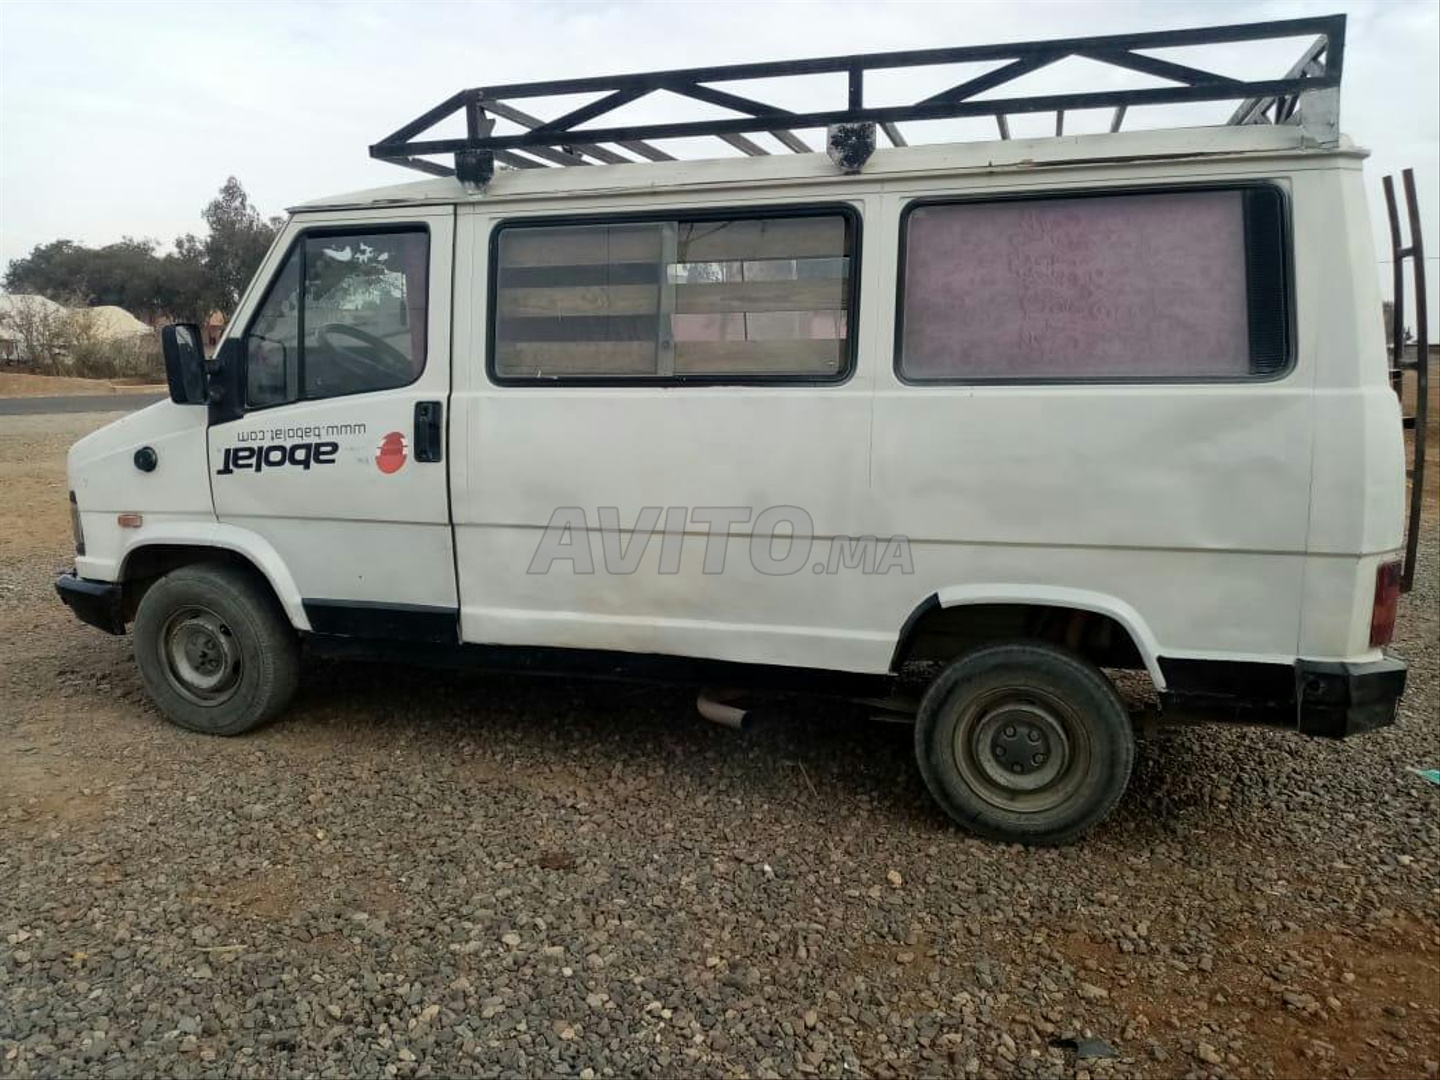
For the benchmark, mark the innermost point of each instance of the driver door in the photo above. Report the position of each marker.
(339, 461)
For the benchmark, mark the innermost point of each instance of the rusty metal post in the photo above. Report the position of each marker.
(1416, 253)
(1397, 292)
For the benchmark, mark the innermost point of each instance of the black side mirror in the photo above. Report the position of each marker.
(184, 354)
(225, 382)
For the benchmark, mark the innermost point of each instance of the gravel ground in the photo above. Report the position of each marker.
(419, 874)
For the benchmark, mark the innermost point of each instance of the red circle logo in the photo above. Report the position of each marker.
(390, 457)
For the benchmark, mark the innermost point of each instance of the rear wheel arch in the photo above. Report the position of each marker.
(1102, 629)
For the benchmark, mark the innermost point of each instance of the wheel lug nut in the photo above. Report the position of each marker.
(1034, 736)
(1038, 759)
(999, 752)
(1010, 731)
(1016, 768)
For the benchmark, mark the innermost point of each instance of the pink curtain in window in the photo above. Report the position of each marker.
(1126, 285)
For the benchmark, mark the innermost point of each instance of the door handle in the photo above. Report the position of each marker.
(429, 436)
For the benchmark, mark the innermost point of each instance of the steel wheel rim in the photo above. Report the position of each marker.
(1021, 749)
(200, 656)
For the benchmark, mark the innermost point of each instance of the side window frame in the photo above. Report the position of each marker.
(854, 220)
(297, 245)
(1287, 285)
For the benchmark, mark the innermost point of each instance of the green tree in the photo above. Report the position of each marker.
(200, 275)
(185, 290)
(238, 240)
(55, 270)
(126, 274)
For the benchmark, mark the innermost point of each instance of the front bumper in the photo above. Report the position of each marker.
(95, 602)
(1314, 697)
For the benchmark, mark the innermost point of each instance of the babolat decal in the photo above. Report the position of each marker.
(277, 456)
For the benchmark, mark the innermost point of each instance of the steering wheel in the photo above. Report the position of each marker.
(384, 355)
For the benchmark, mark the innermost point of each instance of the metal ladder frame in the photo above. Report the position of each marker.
(1400, 363)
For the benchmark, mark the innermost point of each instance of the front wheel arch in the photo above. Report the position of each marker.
(214, 648)
(146, 564)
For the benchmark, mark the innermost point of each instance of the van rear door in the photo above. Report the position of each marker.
(339, 459)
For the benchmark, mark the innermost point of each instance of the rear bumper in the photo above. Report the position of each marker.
(93, 602)
(1314, 697)
(1336, 700)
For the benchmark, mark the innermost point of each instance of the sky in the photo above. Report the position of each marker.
(121, 118)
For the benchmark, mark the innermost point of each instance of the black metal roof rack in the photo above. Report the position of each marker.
(851, 127)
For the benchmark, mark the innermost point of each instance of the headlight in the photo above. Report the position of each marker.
(75, 526)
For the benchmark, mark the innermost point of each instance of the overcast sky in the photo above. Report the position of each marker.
(124, 118)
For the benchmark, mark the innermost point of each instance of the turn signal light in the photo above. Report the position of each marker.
(129, 520)
(1387, 602)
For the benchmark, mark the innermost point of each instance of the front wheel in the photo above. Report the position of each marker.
(214, 650)
(1024, 743)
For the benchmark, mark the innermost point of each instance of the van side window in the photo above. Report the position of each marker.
(759, 298)
(357, 325)
(1146, 286)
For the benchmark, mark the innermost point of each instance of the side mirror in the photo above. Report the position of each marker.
(184, 363)
(225, 382)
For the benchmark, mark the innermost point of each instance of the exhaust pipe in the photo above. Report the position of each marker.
(709, 705)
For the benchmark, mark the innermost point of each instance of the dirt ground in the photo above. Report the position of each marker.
(531, 877)
(23, 384)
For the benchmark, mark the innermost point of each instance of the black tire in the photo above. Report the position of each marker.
(1025, 743)
(214, 649)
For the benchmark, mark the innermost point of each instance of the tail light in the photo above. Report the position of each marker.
(75, 526)
(1387, 600)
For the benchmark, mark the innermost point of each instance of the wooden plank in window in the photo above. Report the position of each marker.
(761, 238)
(544, 358)
(810, 295)
(664, 334)
(806, 355)
(581, 300)
(579, 246)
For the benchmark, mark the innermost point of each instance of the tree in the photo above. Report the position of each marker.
(125, 274)
(51, 270)
(200, 275)
(185, 290)
(39, 329)
(238, 240)
(122, 273)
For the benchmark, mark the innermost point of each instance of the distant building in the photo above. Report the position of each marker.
(213, 328)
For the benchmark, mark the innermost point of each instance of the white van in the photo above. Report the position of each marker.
(1009, 414)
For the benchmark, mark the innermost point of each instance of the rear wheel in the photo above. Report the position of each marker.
(214, 650)
(1024, 742)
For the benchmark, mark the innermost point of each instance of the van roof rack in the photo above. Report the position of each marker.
(1313, 81)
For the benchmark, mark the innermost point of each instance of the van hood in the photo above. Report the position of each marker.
(103, 474)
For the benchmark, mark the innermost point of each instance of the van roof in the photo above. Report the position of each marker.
(994, 156)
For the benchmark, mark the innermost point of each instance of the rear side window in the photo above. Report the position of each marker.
(1147, 286)
(345, 315)
(756, 298)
